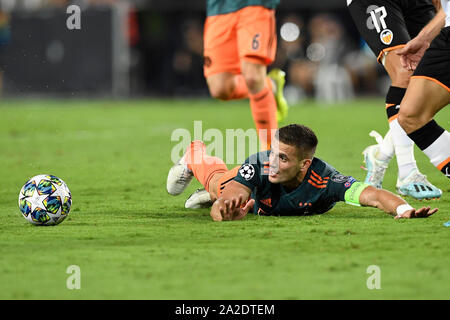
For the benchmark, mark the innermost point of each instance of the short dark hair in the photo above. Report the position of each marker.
(299, 136)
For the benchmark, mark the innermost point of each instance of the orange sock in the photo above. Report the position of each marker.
(203, 166)
(264, 112)
(240, 88)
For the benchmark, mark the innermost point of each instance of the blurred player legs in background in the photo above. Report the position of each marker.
(239, 44)
(387, 25)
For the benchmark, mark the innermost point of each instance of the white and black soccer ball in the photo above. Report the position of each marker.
(45, 200)
(247, 171)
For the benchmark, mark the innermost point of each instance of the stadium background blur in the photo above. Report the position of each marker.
(139, 48)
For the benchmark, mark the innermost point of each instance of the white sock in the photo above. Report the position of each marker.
(439, 150)
(386, 151)
(404, 150)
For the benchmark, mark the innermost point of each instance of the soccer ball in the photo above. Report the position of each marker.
(45, 200)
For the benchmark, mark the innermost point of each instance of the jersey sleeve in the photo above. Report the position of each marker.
(337, 186)
(249, 174)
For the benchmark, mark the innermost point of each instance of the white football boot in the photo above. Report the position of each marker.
(375, 168)
(200, 199)
(417, 186)
(179, 177)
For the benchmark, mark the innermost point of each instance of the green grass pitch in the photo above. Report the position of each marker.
(132, 240)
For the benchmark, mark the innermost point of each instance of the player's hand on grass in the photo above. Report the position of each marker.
(423, 212)
(412, 53)
(231, 209)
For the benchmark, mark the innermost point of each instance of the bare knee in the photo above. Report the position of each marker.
(221, 86)
(399, 76)
(255, 76)
(221, 92)
(254, 83)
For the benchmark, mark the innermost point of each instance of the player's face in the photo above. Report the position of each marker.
(284, 163)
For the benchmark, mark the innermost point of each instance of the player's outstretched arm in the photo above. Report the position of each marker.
(228, 205)
(392, 204)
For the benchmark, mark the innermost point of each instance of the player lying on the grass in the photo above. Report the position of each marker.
(286, 180)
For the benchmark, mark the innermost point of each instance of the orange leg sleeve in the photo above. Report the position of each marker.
(203, 166)
(264, 112)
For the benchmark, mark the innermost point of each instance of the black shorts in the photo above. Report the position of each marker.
(388, 24)
(435, 64)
